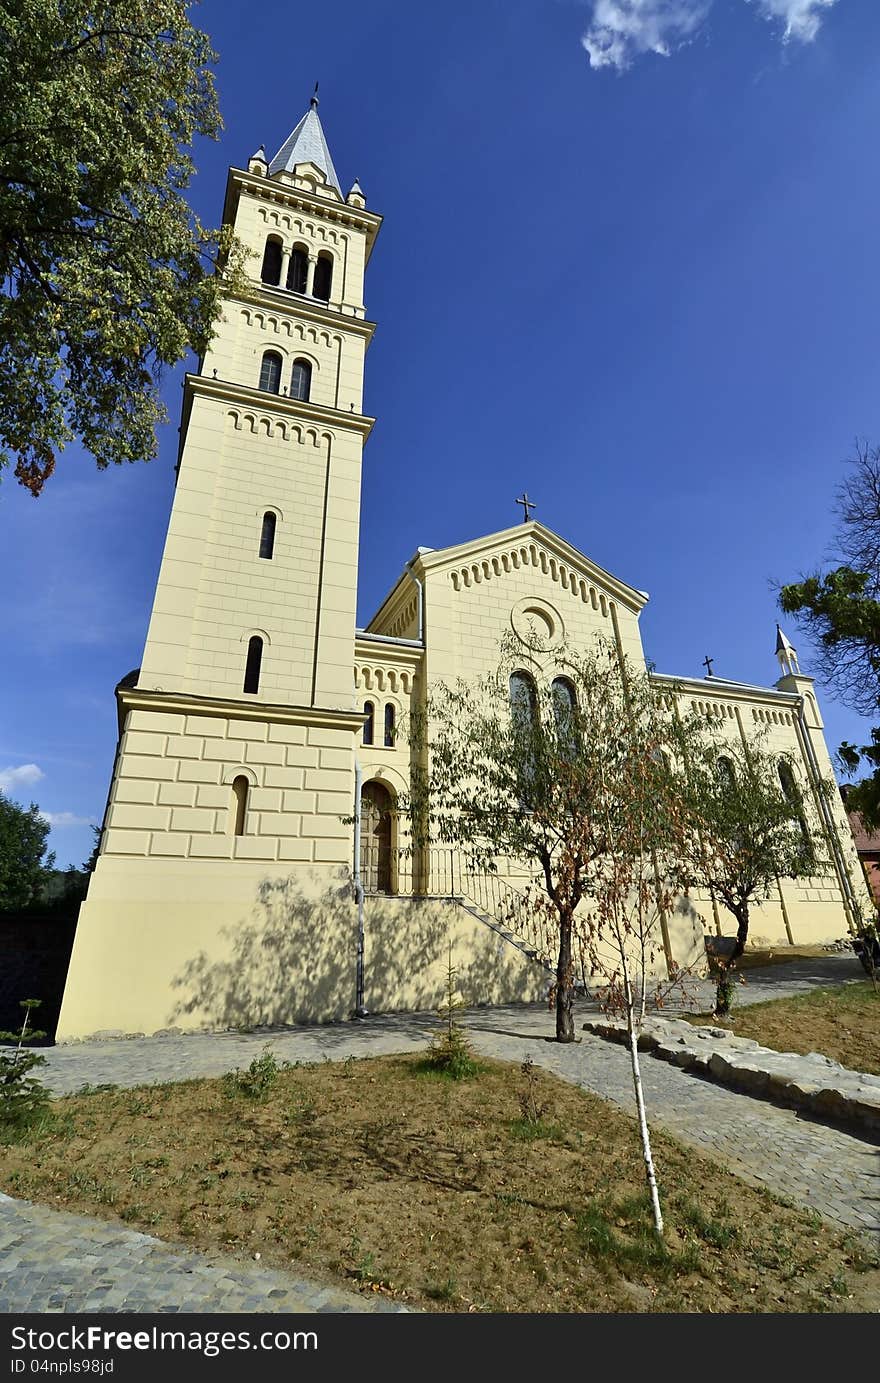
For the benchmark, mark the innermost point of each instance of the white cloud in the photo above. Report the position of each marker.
(58, 820)
(623, 30)
(22, 776)
(801, 17)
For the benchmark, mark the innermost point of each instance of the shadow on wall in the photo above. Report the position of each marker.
(293, 960)
(407, 956)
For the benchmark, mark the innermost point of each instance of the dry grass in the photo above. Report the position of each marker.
(507, 1192)
(842, 1022)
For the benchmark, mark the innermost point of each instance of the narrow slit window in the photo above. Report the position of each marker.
(301, 381)
(267, 536)
(252, 666)
(240, 787)
(270, 372)
(271, 270)
(369, 722)
(389, 726)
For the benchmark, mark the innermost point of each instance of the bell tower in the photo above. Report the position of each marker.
(235, 763)
(262, 541)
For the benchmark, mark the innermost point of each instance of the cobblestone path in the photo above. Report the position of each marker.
(56, 1262)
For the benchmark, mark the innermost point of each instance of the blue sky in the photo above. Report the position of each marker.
(629, 263)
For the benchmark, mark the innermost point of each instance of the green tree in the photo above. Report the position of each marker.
(107, 276)
(745, 830)
(539, 764)
(840, 610)
(24, 865)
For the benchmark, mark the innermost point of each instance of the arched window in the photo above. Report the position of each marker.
(524, 718)
(301, 380)
(271, 270)
(270, 372)
(564, 708)
(298, 271)
(786, 780)
(369, 723)
(725, 775)
(523, 700)
(792, 795)
(389, 725)
(323, 277)
(252, 666)
(267, 536)
(239, 804)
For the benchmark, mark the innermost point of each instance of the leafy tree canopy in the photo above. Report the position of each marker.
(106, 274)
(747, 828)
(840, 610)
(24, 865)
(555, 760)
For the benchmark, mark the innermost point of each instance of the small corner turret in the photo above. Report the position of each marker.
(786, 655)
(257, 163)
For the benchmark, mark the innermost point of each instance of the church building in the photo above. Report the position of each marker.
(262, 722)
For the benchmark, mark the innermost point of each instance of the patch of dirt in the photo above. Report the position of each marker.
(442, 1194)
(842, 1022)
(756, 957)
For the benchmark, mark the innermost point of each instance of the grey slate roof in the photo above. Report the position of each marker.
(306, 144)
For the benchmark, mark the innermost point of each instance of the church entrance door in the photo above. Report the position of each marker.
(377, 808)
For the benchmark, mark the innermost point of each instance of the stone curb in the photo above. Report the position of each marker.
(814, 1082)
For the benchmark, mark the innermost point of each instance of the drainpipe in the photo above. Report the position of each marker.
(421, 594)
(850, 903)
(359, 1009)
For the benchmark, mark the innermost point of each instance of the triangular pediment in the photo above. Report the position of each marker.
(528, 545)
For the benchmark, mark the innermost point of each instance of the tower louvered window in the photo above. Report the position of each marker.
(323, 278)
(271, 270)
(298, 271)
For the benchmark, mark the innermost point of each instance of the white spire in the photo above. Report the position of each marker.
(787, 655)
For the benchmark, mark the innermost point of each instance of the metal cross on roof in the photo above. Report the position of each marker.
(527, 504)
(707, 664)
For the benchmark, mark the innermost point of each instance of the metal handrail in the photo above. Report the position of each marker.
(440, 872)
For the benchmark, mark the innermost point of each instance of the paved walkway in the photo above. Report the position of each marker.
(57, 1262)
(833, 1172)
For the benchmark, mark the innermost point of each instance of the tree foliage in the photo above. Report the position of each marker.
(107, 276)
(550, 782)
(744, 833)
(24, 865)
(840, 610)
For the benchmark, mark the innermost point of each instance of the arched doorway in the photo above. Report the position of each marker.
(377, 821)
